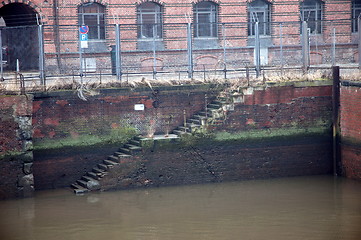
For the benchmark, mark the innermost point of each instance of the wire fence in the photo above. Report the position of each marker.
(44, 55)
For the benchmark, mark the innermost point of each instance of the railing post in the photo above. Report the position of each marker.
(335, 115)
(224, 51)
(190, 50)
(1, 57)
(359, 41)
(305, 47)
(118, 64)
(257, 50)
(41, 54)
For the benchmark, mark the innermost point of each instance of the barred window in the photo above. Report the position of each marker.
(356, 11)
(149, 16)
(92, 15)
(259, 11)
(205, 19)
(311, 12)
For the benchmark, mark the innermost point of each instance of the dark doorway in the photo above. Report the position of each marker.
(20, 36)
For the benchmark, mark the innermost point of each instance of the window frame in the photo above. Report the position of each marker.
(355, 12)
(256, 8)
(98, 16)
(210, 12)
(143, 31)
(316, 8)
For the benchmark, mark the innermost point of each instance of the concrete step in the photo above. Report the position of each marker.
(137, 138)
(110, 163)
(113, 158)
(125, 151)
(184, 129)
(135, 142)
(194, 121)
(132, 147)
(79, 189)
(82, 183)
(192, 125)
(93, 175)
(121, 155)
(98, 170)
(87, 178)
(214, 106)
(102, 166)
(179, 133)
(220, 101)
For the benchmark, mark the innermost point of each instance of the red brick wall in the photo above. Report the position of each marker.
(16, 159)
(350, 128)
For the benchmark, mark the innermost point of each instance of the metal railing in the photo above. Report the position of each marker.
(47, 59)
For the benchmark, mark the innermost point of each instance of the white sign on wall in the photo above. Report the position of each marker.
(139, 107)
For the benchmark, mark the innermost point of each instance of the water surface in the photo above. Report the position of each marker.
(319, 207)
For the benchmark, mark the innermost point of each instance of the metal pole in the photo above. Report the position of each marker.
(305, 47)
(257, 50)
(333, 47)
(190, 50)
(359, 41)
(1, 56)
(81, 61)
(335, 117)
(154, 54)
(224, 51)
(41, 55)
(281, 48)
(117, 53)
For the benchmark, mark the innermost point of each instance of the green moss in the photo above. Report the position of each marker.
(118, 135)
(269, 133)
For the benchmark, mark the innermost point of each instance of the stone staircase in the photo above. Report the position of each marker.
(214, 113)
(90, 181)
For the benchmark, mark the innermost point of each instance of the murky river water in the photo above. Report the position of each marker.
(291, 208)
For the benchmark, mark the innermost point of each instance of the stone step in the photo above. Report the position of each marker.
(82, 183)
(214, 106)
(193, 120)
(184, 129)
(98, 171)
(109, 162)
(135, 142)
(133, 147)
(121, 155)
(192, 125)
(113, 158)
(79, 189)
(138, 138)
(87, 178)
(102, 166)
(179, 133)
(220, 101)
(93, 175)
(125, 151)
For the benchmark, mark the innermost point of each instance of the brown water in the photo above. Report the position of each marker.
(292, 208)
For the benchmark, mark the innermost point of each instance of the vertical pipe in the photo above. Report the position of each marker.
(57, 34)
(154, 54)
(190, 50)
(359, 41)
(41, 55)
(335, 116)
(257, 50)
(224, 51)
(281, 48)
(117, 53)
(333, 47)
(81, 61)
(305, 47)
(1, 57)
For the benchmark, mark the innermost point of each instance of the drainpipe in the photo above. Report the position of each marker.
(335, 117)
(57, 33)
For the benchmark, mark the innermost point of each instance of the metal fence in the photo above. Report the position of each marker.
(45, 55)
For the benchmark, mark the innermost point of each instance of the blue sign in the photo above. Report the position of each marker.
(84, 29)
(83, 37)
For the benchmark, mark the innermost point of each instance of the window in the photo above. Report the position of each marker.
(356, 11)
(92, 14)
(311, 12)
(149, 20)
(259, 11)
(205, 19)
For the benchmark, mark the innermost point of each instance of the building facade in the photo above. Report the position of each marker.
(156, 33)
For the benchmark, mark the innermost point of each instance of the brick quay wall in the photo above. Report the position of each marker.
(270, 131)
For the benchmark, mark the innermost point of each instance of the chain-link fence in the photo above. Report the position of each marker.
(48, 55)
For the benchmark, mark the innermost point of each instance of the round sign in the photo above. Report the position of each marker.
(84, 29)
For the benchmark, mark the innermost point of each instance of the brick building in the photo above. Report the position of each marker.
(161, 26)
